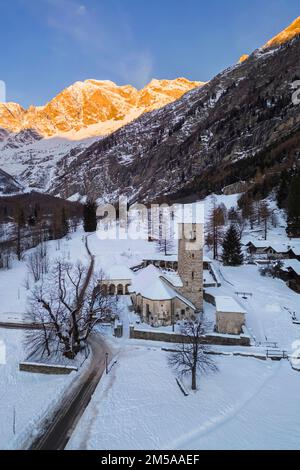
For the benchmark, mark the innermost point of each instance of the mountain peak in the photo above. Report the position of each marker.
(286, 35)
(101, 104)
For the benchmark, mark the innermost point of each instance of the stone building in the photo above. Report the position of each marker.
(190, 262)
(230, 316)
(163, 297)
(156, 298)
(290, 273)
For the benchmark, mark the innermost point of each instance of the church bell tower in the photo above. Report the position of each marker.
(190, 262)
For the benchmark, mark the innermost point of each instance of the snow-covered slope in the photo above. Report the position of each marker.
(8, 184)
(35, 162)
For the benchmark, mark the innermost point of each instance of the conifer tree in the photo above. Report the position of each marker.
(64, 223)
(283, 190)
(294, 207)
(232, 254)
(89, 216)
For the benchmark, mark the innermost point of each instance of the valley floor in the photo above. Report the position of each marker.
(249, 404)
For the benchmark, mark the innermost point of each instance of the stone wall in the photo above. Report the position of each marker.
(230, 322)
(45, 368)
(177, 338)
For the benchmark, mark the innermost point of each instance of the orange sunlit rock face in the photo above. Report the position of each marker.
(243, 58)
(286, 35)
(100, 104)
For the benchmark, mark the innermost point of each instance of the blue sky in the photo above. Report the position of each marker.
(48, 44)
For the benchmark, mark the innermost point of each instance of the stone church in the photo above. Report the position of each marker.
(163, 296)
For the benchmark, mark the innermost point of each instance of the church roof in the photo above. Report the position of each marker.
(150, 283)
(118, 272)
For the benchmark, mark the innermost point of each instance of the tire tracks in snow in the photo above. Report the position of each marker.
(213, 424)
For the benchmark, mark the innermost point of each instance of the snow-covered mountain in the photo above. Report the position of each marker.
(242, 122)
(100, 104)
(286, 35)
(34, 162)
(8, 184)
(33, 141)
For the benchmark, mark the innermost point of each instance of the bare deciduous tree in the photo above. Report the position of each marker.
(68, 306)
(164, 231)
(38, 262)
(191, 355)
(264, 216)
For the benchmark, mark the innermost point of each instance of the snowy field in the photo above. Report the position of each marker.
(23, 395)
(244, 406)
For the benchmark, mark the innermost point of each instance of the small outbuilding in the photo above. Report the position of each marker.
(269, 251)
(230, 316)
(295, 253)
(290, 273)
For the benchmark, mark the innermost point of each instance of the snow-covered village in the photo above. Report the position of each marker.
(150, 242)
(151, 293)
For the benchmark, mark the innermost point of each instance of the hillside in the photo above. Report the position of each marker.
(241, 122)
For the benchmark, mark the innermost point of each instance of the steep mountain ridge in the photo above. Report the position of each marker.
(240, 123)
(97, 103)
(8, 184)
(289, 33)
(245, 114)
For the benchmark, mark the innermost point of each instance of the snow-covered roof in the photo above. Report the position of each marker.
(293, 264)
(144, 277)
(228, 305)
(161, 257)
(258, 243)
(173, 277)
(118, 272)
(207, 277)
(278, 247)
(206, 259)
(158, 290)
(149, 283)
(296, 250)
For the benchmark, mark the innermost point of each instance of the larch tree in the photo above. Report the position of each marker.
(215, 227)
(265, 214)
(294, 207)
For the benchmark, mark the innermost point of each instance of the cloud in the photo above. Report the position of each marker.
(109, 42)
